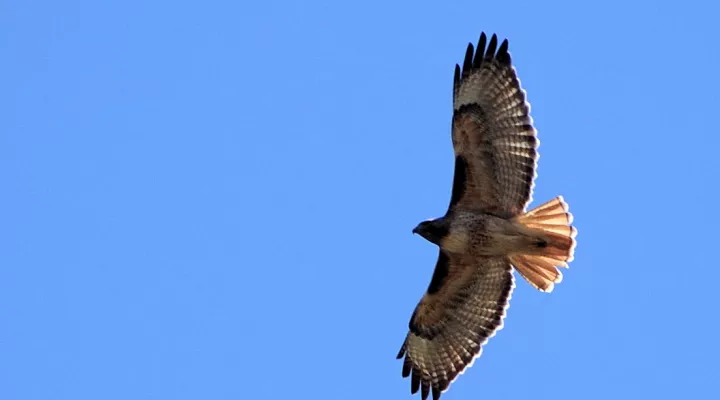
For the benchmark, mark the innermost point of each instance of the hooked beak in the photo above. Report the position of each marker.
(415, 230)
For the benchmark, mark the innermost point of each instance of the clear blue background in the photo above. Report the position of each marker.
(213, 200)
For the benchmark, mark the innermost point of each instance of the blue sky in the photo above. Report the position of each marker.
(215, 200)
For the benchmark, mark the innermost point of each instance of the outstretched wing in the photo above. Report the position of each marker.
(492, 132)
(464, 305)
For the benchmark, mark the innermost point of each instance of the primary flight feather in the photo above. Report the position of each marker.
(485, 232)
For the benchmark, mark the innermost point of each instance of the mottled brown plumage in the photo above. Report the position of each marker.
(485, 232)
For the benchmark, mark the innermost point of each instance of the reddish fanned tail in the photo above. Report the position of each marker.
(554, 248)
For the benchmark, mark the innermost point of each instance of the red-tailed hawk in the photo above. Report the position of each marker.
(486, 231)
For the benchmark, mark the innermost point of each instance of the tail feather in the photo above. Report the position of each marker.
(560, 247)
(552, 219)
(563, 230)
(552, 207)
(538, 271)
(554, 248)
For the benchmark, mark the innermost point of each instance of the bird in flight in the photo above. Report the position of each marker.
(486, 231)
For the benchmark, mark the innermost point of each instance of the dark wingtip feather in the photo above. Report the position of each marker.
(456, 78)
(492, 46)
(502, 54)
(425, 390)
(467, 64)
(436, 392)
(475, 56)
(415, 382)
(480, 50)
(402, 350)
(407, 367)
(444, 383)
(503, 47)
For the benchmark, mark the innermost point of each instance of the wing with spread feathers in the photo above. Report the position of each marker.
(463, 307)
(493, 136)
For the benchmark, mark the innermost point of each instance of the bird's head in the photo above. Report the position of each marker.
(433, 230)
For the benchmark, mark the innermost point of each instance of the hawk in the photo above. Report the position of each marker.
(486, 231)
